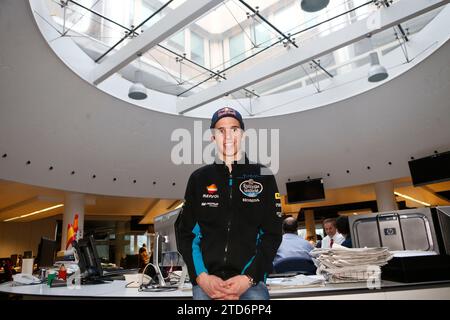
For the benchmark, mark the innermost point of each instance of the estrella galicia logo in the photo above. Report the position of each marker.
(251, 188)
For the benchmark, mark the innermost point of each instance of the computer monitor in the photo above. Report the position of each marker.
(28, 254)
(157, 256)
(170, 259)
(168, 255)
(14, 259)
(88, 260)
(160, 277)
(45, 257)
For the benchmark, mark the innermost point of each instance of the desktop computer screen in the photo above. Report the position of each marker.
(170, 259)
(167, 245)
(90, 264)
(28, 254)
(46, 254)
(87, 257)
(166, 257)
(15, 259)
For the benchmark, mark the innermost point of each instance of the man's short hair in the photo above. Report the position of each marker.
(330, 220)
(290, 225)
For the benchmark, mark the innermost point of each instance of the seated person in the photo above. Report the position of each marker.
(311, 240)
(292, 245)
(318, 241)
(144, 257)
(329, 226)
(343, 228)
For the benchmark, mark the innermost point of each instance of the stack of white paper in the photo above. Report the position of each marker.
(298, 281)
(341, 264)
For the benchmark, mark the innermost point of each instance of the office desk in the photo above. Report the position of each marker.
(347, 291)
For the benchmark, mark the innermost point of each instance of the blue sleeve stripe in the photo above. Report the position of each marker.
(258, 237)
(196, 251)
(248, 265)
(258, 241)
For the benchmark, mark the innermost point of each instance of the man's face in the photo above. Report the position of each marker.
(330, 229)
(228, 135)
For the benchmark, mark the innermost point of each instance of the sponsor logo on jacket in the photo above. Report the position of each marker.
(212, 189)
(212, 192)
(210, 204)
(251, 188)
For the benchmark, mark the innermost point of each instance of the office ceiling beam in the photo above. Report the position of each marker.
(159, 207)
(171, 23)
(378, 21)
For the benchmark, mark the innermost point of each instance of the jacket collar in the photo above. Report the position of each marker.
(235, 165)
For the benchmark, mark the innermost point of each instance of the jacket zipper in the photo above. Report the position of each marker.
(230, 185)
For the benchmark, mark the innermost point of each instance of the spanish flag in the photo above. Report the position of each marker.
(72, 232)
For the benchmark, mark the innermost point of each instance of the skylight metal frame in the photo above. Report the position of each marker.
(388, 17)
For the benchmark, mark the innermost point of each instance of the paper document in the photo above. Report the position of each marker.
(413, 253)
(341, 264)
(298, 281)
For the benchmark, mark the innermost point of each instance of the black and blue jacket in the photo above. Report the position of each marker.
(230, 223)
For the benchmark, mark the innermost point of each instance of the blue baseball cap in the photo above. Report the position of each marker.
(226, 112)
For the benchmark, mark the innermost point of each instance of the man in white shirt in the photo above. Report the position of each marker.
(329, 226)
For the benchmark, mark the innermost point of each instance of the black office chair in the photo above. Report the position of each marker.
(295, 264)
(132, 261)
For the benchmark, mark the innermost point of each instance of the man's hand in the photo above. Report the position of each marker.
(213, 286)
(237, 285)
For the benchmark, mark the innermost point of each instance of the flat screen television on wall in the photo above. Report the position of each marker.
(431, 169)
(305, 191)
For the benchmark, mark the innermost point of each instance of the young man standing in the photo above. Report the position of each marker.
(229, 228)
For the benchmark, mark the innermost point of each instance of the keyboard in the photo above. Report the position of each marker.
(115, 272)
(112, 277)
(283, 275)
(158, 288)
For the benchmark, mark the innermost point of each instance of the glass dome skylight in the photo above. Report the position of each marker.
(229, 39)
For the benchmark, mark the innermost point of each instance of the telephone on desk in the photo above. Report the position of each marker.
(26, 279)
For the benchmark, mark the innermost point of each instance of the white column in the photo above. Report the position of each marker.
(120, 242)
(73, 207)
(310, 223)
(136, 244)
(384, 191)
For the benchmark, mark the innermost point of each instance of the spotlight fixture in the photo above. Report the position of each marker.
(377, 72)
(137, 90)
(314, 5)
